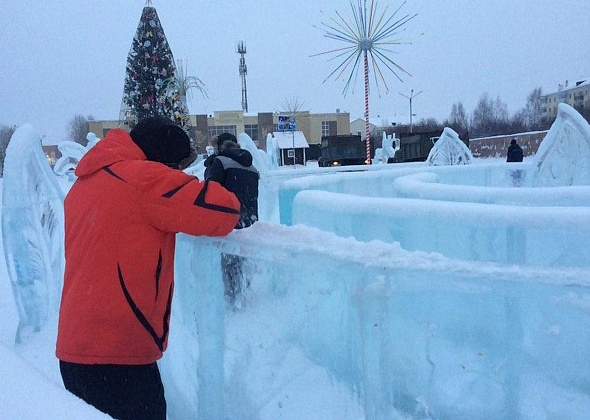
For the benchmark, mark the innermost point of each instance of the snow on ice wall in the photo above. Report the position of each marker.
(352, 330)
(32, 231)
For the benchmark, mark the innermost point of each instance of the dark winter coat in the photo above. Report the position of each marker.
(233, 169)
(121, 217)
(514, 153)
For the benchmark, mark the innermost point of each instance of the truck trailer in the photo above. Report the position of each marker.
(342, 150)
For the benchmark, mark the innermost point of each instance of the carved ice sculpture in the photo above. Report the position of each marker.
(449, 150)
(272, 151)
(563, 158)
(92, 140)
(258, 156)
(71, 153)
(387, 147)
(32, 231)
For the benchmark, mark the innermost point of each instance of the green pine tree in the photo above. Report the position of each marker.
(150, 83)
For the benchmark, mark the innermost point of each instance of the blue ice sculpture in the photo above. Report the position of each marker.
(32, 231)
(563, 158)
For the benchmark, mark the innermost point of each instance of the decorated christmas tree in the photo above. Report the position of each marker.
(150, 83)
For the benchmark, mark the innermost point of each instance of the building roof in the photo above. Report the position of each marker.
(581, 82)
(372, 122)
(285, 139)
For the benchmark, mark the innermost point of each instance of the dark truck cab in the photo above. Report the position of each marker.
(342, 150)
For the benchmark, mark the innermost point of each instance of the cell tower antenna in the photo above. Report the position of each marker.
(243, 72)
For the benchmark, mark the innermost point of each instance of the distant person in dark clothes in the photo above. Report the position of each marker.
(514, 153)
(121, 220)
(232, 167)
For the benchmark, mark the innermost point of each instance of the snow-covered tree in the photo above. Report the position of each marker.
(149, 87)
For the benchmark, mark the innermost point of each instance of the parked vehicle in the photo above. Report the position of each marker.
(342, 150)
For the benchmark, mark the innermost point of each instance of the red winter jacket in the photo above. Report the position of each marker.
(121, 217)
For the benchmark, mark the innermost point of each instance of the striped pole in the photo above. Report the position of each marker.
(367, 128)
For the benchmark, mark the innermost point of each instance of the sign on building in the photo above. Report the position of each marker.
(286, 123)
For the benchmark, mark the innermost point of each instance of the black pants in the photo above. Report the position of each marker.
(125, 392)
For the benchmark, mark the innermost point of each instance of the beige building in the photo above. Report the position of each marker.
(205, 127)
(575, 94)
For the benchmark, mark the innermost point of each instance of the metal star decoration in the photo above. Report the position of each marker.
(369, 34)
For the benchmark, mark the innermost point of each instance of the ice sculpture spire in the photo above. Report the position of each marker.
(272, 151)
(449, 150)
(563, 157)
(32, 231)
(258, 160)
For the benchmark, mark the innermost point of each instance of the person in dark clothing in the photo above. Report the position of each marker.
(514, 153)
(232, 167)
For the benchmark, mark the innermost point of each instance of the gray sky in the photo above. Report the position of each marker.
(65, 57)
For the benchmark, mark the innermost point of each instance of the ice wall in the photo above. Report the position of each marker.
(537, 236)
(32, 231)
(474, 212)
(380, 181)
(333, 328)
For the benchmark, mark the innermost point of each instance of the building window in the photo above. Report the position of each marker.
(252, 131)
(216, 130)
(325, 128)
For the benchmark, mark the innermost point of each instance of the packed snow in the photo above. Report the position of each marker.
(406, 291)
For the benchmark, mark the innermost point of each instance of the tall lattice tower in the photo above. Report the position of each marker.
(243, 72)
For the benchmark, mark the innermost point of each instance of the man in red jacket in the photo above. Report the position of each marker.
(121, 217)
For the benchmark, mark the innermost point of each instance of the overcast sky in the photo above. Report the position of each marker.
(60, 58)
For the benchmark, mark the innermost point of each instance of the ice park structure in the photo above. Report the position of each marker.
(445, 289)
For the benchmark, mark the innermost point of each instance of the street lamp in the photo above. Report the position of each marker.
(412, 96)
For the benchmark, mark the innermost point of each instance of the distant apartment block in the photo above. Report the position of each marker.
(575, 94)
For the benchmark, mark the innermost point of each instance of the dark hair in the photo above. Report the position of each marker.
(513, 141)
(223, 137)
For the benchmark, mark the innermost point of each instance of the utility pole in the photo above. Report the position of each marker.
(412, 96)
(243, 72)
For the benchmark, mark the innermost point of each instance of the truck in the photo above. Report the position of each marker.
(342, 150)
